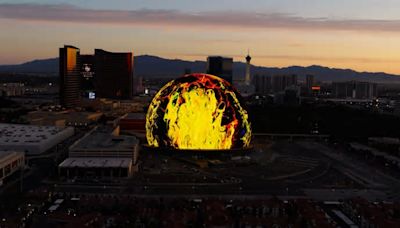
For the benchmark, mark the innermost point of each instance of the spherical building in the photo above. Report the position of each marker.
(198, 112)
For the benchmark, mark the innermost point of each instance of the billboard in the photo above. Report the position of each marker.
(88, 77)
(92, 95)
(87, 71)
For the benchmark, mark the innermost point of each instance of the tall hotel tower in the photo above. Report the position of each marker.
(247, 88)
(247, 79)
(220, 66)
(114, 74)
(70, 77)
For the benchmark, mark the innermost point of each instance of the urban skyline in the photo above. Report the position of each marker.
(115, 130)
(341, 34)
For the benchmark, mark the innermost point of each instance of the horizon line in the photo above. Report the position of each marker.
(186, 60)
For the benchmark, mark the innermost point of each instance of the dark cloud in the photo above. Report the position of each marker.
(173, 18)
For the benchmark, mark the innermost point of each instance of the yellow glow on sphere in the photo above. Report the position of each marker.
(197, 111)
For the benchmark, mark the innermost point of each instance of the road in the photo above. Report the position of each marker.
(375, 181)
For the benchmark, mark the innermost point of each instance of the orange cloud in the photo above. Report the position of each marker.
(174, 18)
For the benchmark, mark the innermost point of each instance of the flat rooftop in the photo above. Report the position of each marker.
(103, 141)
(96, 163)
(11, 134)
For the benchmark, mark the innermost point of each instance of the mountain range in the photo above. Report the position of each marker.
(156, 67)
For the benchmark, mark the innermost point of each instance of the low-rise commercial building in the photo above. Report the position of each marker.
(32, 139)
(102, 153)
(10, 162)
(135, 122)
(97, 167)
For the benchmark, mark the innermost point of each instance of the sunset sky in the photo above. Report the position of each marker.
(360, 34)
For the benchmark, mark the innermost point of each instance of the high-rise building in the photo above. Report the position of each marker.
(247, 79)
(354, 89)
(246, 88)
(292, 95)
(114, 74)
(70, 78)
(281, 82)
(262, 83)
(138, 85)
(366, 90)
(220, 66)
(309, 82)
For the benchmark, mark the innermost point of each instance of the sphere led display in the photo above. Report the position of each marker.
(197, 111)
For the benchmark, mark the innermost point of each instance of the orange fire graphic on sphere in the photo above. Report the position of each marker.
(197, 111)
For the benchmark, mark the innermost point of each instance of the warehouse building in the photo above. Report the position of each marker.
(32, 139)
